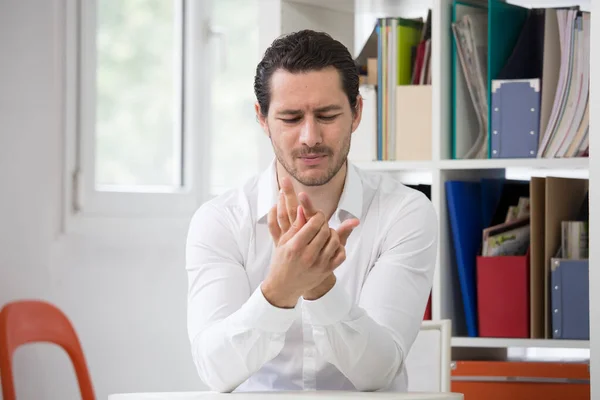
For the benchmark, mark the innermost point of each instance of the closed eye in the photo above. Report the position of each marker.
(329, 117)
(290, 120)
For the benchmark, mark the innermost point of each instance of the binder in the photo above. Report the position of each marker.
(470, 206)
(515, 118)
(464, 201)
(503, 296)
(570, 299)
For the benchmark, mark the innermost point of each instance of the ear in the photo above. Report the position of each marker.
(262, 120)
(357, 113)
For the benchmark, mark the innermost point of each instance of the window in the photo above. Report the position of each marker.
(163, 103)
(139, 85)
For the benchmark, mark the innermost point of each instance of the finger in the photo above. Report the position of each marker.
(309, 230)
(273, 225)
(307, 204)
(338, 258)
(346, 229)
(296, 226)
(291, 201)
(316, 245)
(331, 247)
(282, 216)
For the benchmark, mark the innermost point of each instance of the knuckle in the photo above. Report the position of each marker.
(307, 258)
(320, 216)
(335, 241)
(294, 247)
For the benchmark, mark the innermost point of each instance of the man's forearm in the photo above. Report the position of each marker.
(348, 338)
(264, 328)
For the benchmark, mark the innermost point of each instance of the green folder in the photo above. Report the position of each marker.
(409, 35)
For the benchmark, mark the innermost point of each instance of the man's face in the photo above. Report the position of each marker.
(310, 123)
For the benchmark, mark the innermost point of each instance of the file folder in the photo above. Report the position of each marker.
(505, 24)
(515, 118)
(570, 299)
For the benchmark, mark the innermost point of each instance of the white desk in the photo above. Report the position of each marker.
(287, 395)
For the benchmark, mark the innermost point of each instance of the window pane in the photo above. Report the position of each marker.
(138, 134)
(235, 131)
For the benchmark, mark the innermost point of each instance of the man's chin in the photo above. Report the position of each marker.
(313, 178)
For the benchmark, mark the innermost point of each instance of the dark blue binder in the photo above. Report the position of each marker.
(515, 118)
(471, 206)
(570, 299)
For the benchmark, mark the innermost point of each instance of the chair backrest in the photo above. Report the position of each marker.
(428, 361)
(31, 321)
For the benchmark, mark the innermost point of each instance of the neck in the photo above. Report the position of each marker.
(325, 197)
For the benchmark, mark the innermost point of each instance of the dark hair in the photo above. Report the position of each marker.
(301, 52)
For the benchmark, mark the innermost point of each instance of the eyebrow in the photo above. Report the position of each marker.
(331, 107)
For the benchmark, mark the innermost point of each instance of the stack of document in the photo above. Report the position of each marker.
(567, 130)
(470, 34)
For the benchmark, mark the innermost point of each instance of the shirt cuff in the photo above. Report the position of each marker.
(330, 308)
(260, 314)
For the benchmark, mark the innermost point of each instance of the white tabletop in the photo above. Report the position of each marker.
(287, 395)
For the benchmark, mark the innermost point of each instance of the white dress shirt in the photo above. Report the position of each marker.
(355, 337)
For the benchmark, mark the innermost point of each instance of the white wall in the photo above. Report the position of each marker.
(125, 298)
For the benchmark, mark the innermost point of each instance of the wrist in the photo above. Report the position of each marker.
(321, 289)
(277, 297)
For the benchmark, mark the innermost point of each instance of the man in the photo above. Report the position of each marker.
(314, 275)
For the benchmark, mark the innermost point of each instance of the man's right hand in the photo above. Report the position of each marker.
(302, 259)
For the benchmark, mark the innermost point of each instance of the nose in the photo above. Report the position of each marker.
(310, 134)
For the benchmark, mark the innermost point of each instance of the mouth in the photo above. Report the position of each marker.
(312, 159)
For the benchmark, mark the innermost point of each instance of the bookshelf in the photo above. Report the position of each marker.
(352, 22)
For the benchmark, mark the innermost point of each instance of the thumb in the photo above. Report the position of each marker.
(346, 229)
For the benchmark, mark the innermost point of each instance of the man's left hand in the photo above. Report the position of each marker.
(285, 212)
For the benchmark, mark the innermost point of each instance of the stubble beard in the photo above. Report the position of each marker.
(332, 171)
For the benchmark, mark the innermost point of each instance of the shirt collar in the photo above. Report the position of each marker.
(350, 202)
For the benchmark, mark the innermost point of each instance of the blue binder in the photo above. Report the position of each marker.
(570, 299)
(471, 206)
(515, 118)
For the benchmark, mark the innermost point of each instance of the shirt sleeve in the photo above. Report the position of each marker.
(232, 330)
(369, 341)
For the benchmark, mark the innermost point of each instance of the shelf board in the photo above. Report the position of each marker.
(509, 342)
(395, 165)
(539, 165)
(529, 163)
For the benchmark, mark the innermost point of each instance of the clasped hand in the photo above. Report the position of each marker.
(307, 250)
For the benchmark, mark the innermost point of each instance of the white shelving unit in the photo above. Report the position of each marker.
(528, 343)
(351, 21)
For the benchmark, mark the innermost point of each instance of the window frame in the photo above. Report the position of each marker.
(82, 201)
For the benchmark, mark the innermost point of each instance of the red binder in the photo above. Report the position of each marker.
(427, 315)
(503, 296)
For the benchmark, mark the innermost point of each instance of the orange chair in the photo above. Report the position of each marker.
(23, 322)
